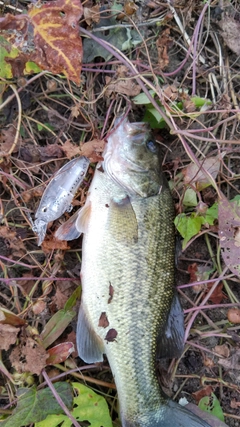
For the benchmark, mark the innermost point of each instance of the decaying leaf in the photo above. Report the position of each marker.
(93, 149)
(91, 14)
(70, 150)
(9, 318)
(222, 350)
(205, 391)
(8, 336)
(232, 362)
(125, 86)
(229, 226)
(59, 353)
(230, 30)
(196, 177)
(29, 356)
(163, 43)
(234, 315)
(48, 36)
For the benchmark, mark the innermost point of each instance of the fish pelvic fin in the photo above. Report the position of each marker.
(169, 415)
(68, 231)
(89, 344)
(171, 339)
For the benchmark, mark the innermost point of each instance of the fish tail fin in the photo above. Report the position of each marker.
(170, 415)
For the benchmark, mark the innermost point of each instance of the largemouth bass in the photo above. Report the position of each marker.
(129, 308)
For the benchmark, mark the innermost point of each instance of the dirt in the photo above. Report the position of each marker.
(50, 273)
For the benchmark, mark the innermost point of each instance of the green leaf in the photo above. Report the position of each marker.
(55, 326)
(88, 406)
(188, 226)
(34, 406)
(60, 320)
(212, 405)
(211, 214)
(190, 198)
(142, 98)
(154, 118)
(199, 102)
(72, 301)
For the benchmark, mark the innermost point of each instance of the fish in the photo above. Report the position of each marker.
(129, 308)
(58, 195)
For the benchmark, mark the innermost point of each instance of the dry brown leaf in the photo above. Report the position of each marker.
(234, 315)
(91, 14)
(93, 149)
(230, 29)
(234, 404)
(7, 137)
(32, 192)
(13, 241)
(222, 350)
(8, 336)
(208, 362)
(196, 177)
(126, 87)
(163, 43)
(206, 391)
(39, 307)
(29, 357)
(70, 150)
(50, 245)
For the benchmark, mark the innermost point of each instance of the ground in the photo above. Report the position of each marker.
(181, 50)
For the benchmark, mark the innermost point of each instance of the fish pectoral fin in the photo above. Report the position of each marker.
(122, 221)
(83, 217)
(89, 344)
(171, 339)
(68, 230)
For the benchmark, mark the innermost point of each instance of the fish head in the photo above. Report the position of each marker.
(132, 159)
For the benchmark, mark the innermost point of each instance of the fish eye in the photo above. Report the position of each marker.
(152, 146)
(44, 209)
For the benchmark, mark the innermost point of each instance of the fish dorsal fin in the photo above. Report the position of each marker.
(89, 344)
(68, 230)
(171, 339)
(122, 221)
(82, 220)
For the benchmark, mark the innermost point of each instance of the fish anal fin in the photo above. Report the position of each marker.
(171, 339)
(83, 217)
(122, 221)
(89, 344)
(68, 230)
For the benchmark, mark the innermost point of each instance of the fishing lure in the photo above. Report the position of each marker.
(58, 195)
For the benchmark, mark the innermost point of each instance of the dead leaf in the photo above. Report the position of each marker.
(7, 137)
(9, 318)
(51, 151)
(70, 150)
(222, 350)
(93, 149)
(163, 43)
(50, 245)
(48, 36)
(59, 353)
(198, 273)
(199, 394)
(39, 307)
(196, 177)
(91, 14)
(13, 241)
(8, 336)
(217, 296)
(234, 404)
(234, 315)
(125, 87)
(29, 357)
(233, 362)
(230, 30)
(208, 362)
(228, 231)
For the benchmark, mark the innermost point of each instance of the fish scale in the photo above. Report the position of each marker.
(140, 278)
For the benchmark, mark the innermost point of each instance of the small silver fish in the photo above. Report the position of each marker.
(59, 193)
